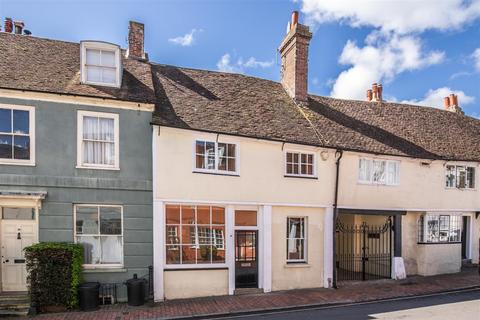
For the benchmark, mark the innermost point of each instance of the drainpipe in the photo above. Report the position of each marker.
(338, 157)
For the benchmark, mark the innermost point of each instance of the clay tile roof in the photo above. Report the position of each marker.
(247, 106)
(31, 63)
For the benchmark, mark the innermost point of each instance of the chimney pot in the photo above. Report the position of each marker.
(369, 95)
(379, 91)
(8, 25)
(294, 20)
(446, 102)
(294, 54)
(136, 39)
(19, 27)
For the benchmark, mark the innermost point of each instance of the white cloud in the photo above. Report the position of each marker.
(434, 98)
(401, 17)
(381, 59)
(226, 64)
(185, 40)
(476, 59)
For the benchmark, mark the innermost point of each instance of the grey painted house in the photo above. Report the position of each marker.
(75, 153)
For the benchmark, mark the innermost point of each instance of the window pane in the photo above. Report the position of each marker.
(22, 147)
(109, 75)
(450, 177)
(303, 158)
(5, 120)
(204, 254)
(310, 169)
(173, 214)
(173, 234)
(222, 149)
(471, 177)
(245, 218)
(93, 57)
(379, 171)
(231, 150)
(289, 157)
(218, 215)
(94, 74)
(87, 220)
(21, 121)
(295, 249)
(218, 235)
(295, 228)
(203, 215)
(91, 249)
(188, 214)
(18, 213)
(310, 159)
(110, 220)
(231, 164)
(200, 147)
(222, 163)
(90, 128)
(112, 251)
(173, 254)
(6, 142)
(200, 162)
(106, 130)
(210, 153)
(108, 58)
(289, 168)
(189, 235)
(188, 254)
(461, 177)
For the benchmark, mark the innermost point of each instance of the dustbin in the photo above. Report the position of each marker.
(135, 291)
(88, 293)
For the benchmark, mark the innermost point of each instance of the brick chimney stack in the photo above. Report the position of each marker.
(294, 54)
(451, 104)
(19, 27)
(8, 25)
(375, 94)
(136, 38)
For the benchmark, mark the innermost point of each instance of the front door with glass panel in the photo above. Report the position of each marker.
(18, 230)
(246, 261)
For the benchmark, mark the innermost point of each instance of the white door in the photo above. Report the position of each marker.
(15, 236)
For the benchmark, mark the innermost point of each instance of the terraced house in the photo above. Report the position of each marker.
(226, 182)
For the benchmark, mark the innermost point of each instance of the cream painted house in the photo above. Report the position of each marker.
(259, 186)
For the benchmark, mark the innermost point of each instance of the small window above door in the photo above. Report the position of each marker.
(245, 218)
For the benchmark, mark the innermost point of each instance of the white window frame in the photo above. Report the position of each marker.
(305, 240)
(80, 115)
(423, 227)
(370, 180)
(466, 166)
(100, 266)
(31, 120)
(102, 46)
(216, 170)
(300, 152)
(212, 265)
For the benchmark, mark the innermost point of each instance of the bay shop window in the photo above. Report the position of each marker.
(194, 234)
(439, 228)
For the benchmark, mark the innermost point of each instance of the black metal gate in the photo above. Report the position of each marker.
(364, 252)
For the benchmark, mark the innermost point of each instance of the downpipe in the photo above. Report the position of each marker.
(338, 158)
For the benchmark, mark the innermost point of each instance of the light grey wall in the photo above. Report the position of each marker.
(55, 172)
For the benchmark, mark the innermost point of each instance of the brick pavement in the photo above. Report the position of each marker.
(347, 293)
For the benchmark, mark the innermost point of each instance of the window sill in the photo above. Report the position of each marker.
(179, 267)
(15, 163)
(436, 243)
(460, 189)
(103, 270)
(377, 184)
(216, 173)
(98, 168)
(102, 84)
(297, 265)
(301, 177)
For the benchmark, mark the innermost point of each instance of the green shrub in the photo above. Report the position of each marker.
(54, 273)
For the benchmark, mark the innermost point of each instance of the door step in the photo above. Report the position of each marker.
(242, 291)
(14, 304)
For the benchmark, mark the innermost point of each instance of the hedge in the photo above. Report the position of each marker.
(54, 273)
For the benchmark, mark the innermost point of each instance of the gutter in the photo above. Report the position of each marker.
(338, 158)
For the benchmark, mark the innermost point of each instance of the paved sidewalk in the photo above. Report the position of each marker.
(347, 293)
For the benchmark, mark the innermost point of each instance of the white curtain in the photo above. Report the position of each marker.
(292, 248)
(99, 141)
(112, 250)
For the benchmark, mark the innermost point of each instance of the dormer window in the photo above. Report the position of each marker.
(100, 64)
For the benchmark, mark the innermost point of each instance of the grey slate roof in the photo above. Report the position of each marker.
(247, 106)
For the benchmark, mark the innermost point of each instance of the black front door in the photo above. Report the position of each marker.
(246, 262)
(464, 238)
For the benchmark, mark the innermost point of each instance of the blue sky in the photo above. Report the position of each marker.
(419, 50)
